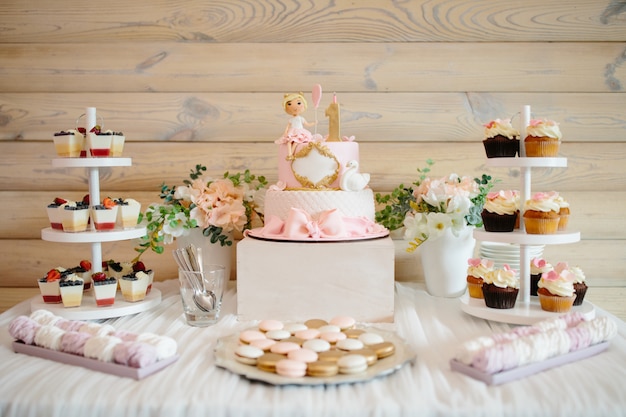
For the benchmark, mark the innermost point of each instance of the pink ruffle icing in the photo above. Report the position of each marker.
(135, 354)
(74, 342)
(24, 328)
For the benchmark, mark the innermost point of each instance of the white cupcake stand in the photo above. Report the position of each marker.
(527, 309)
(88, 309)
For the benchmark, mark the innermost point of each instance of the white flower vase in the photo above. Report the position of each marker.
(444, 261)
(212, 253)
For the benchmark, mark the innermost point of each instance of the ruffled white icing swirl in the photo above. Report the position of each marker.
(579, 275)
(501, 127)
(502, 202)
(502, 278)
(542, 202)
(479, 267)
(541, 128)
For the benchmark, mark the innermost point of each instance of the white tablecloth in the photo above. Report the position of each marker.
(194, 386)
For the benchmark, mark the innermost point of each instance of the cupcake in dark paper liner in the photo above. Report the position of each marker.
(500, 211)
(580, 285)
(501, 139)
(500, 288)
(538, 267)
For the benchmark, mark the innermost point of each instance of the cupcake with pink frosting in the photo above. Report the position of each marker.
(556, 289)
(500, 288)
(477, 268)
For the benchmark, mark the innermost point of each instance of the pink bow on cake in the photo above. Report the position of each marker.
(330, 224)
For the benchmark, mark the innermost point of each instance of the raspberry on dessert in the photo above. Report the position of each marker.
(85, 264)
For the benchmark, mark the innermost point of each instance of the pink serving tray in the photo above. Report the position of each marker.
(530, 369)
(93, 364)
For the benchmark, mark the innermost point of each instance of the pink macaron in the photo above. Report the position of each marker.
(291, 368)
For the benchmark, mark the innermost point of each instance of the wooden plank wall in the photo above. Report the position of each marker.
(199, 81)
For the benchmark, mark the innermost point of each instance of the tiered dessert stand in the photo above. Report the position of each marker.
(527, 309)
(88, 309)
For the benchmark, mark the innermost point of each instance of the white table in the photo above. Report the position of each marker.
(194, 386)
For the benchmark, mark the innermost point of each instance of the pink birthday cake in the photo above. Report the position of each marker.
(319, 240)
(320, 193)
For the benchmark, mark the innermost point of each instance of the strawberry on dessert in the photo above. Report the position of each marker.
(69, 143)
(99, 143)
(83, 270)
(49, 286)
(55, 213)
(104, 289)
(105, 214)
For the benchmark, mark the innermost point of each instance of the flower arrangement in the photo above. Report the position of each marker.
(430, 206)
(218, 206)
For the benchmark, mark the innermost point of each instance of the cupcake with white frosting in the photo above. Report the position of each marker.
(500, 288)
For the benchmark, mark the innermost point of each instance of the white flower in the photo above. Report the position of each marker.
(174, 228)
(437, 224)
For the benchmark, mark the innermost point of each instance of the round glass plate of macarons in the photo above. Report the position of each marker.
(393, 350)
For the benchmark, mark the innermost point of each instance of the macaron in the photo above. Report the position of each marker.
(270, 324)
(344, 322)
(322, 368)
(268, 362)
(315, 323)
(307, 334)
(331, 355)
(279, 334)
(284, 347)
(352, 364)
(332, 337)
(247, 336)
(383, 349)
(264, 344)
(371, 338)
(317, 345)
(291, 368)
(294, 327)
(303, 355)
(353, 333)
(349, 344)
(329, 328)
(370, 356)
(247, 354)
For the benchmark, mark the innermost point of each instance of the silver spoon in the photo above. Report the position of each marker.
(204, 302)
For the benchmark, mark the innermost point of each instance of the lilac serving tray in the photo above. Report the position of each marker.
(93, 364)
(530, 369)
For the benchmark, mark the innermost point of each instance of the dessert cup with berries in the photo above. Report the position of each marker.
(104, 288)
(49, 287)
(105, 214)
